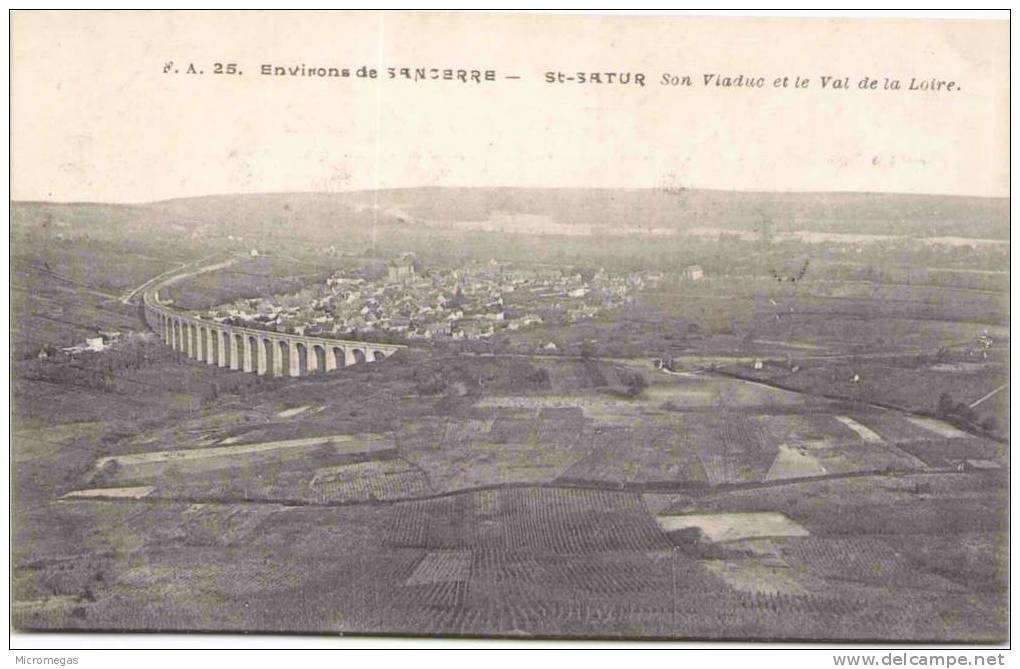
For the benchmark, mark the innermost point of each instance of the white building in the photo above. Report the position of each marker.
(694, 273)
(95, 343)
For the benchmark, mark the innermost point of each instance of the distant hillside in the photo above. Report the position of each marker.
(681, 209)
(612, 210)
(678, 209)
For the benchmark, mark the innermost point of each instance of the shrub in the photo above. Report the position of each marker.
(636, 383)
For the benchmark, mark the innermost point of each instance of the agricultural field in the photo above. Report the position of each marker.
(56, 311)
(519, 561)
(66, 285)
(793, 472)
(514, 520)
(251, 277)
(681, 431)
(363, 481)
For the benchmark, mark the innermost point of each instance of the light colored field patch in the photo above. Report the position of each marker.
(715, 392)
(344, 443)
(27, 445)
(722, 527)
(602, 409)
(533, 402)
(958, 367)
(136, 492)
(864, 432)
(792, 463)
(290, 413)
(54, 603)
(938, 427)
(673, 394)
(443, 566)
(61, 433)
(754, 577)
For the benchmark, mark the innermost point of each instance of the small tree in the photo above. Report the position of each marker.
(428, 383)
(107, 474)
(636, 384)
(946, 404)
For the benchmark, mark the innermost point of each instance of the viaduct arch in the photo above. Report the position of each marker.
(256, 351)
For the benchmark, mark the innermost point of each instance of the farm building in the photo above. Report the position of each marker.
(95, 343)
(693, 273)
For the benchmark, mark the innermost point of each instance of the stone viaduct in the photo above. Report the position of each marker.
(256, 351)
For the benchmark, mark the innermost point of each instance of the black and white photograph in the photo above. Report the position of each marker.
(517, 327)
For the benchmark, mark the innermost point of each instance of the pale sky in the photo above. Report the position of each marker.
(94, 118)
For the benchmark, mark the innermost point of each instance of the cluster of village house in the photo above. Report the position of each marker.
(474, 301)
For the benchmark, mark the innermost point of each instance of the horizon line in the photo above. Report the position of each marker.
(353, 191)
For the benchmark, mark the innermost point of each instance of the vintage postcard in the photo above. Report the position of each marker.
(509, 325)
